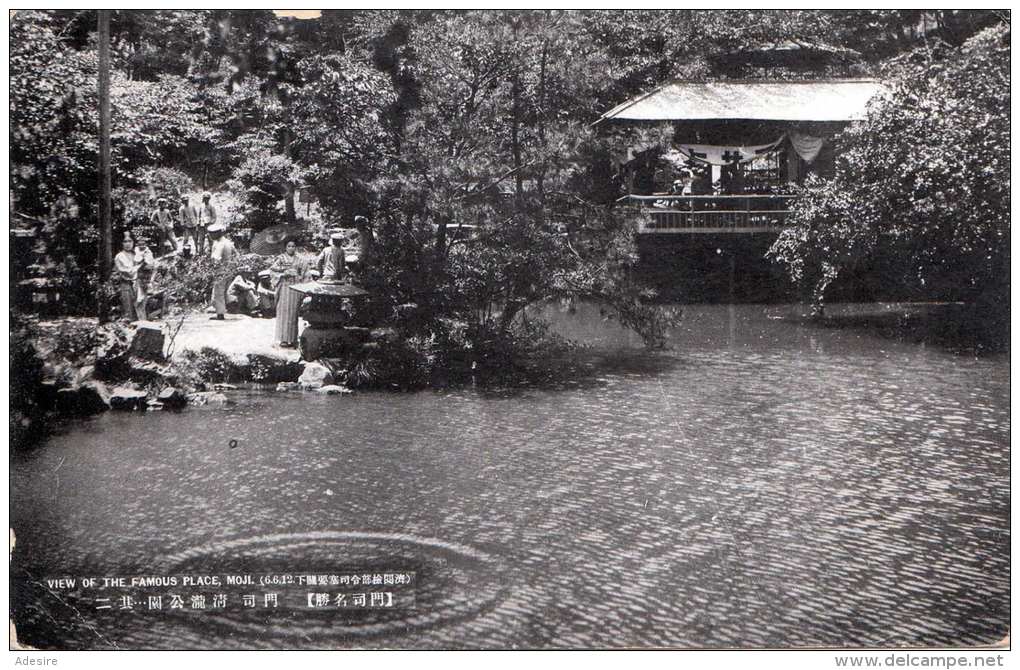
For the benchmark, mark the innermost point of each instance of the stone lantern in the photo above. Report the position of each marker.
(333, 311)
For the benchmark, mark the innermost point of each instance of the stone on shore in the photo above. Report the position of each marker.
(144, 371)
(207, 398)
(333, 389)
(112, 351)
(127, 398)
(171, 397)
(148, 341)
(83, 374)
(314, 376)
(47, 394)
(92, 397)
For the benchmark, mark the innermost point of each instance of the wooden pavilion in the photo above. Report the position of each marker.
(736, 147)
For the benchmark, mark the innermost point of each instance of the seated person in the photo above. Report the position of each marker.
(266, 294)
(242, 297)
(732, 179)
(702, 183)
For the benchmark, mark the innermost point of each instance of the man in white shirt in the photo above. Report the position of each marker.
(207, 213)
(145, 264)
(331, 261)
(194, 234)
(223, 254)
(164, 223)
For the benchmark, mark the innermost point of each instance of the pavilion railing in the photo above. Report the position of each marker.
(712, 213)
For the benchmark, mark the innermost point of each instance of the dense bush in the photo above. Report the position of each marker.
(925, 177)
(26, 375)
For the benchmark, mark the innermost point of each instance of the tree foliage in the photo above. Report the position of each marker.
(466, 138)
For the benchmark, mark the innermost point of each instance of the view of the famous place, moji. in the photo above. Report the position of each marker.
(422, 329)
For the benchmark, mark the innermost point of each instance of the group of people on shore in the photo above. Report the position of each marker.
(135, 265)
(193, 222)
(264, 294)
(343, 258)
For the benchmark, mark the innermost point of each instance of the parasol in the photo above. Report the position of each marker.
(272, 241)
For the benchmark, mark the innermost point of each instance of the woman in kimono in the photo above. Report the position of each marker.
(125, 270)
(288, 268)
(145, 264)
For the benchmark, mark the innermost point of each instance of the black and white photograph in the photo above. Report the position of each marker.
(510, 329)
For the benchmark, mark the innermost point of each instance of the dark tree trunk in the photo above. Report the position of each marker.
(105, 229)
(515, 140)
(289, 199)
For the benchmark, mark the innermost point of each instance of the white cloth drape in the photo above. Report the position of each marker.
(806, 146)
(714, 154)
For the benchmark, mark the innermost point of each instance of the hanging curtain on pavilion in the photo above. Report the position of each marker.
(713, 154)
(806, 146)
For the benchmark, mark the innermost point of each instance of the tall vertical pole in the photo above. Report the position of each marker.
(105, 228)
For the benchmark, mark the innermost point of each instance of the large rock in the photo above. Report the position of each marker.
(147, 372)
(83, 374)
(127, 398)
(46, 394)
(171, 397)
(112, 351)
(316, 343)
(92, 397)
(148, 341)
(315, 375)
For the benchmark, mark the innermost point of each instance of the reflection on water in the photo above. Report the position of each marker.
(763, 483)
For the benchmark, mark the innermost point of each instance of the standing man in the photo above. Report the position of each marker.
(330, 264)
(194, 234)
(207, 213)
(223, 254)
(164, 224)
(145, 265)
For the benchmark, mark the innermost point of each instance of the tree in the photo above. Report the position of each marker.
(264, 179)
(338, 132)
(485, 194)
(926, 178)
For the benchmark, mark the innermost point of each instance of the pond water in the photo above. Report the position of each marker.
(763, 483)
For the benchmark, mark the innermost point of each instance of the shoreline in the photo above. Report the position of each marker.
(77, 368)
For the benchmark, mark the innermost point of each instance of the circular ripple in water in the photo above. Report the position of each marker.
(453, 582)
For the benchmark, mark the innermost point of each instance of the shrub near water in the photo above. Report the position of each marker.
(925, 178)
(26, 370)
